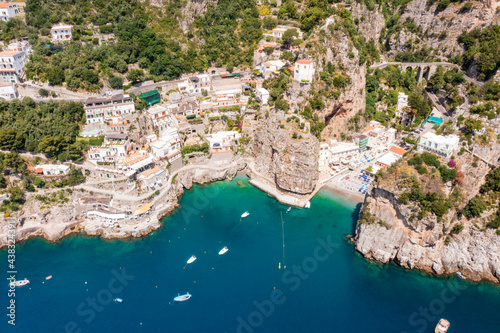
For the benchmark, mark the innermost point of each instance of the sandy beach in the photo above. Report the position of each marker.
(355, 196)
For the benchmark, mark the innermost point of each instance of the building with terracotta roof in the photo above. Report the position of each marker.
(303, 71)
(8, 10)
(152, 178)
(98, 109)
(398, 150)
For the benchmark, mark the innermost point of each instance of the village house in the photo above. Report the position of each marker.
(98, 109)
(278, 32)
(303, 71)
(227, 87)
(403, 111)
(114, 148)
(117, 124)
(21, 46)
(168, 146)
(136, 163)
(152, 178)
(8, 11)
(441, 145)
(271, 66)
(11, 66)
(333, 152)
(62, 32)
(8, 92)
(51, 170)
(163, 119)
(187, 108)
(387, 159)
(222, 142)
(262, 95)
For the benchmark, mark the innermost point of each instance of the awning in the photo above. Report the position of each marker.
(143, 209)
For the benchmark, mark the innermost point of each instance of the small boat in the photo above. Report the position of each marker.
(289, 209)
(118, 300)
(245, 214)
(461, 275)
(48, 277)
(182, 298)
(190, 260)
(308, 204)
(224, 250)
(442, 326)
(19, 283)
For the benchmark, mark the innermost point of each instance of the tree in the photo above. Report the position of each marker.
(10, 139)
(116, 82)
(474, 208)
(288, 36)
(14, 161)
(269, 22)
(55, 75)
(268, 50)
(135, 75)
(43, 92)
(51, 146)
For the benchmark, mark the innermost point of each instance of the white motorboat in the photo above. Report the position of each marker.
(442, 326)
(308, 204)
(190, 260)
(289, 209)
(245, 214)
(19, 283)
(224, 250)
(182, 298)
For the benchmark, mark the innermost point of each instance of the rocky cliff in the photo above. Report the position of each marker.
(474, 253)
(292, 164)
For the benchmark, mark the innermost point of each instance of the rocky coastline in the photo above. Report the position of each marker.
(70, 218)
(472, 254)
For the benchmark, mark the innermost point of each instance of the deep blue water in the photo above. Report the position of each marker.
(334, 290)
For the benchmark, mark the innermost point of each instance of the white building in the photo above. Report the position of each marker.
(402, 101)
(163, 119)
(278, 32)
(303, 71)
(227, 87)
(262, 95)
(22, 46)
(114, 148)
(441, 145)
(402, 110)
(62, 33)
(136, 162)
(99, 109)
(52, 169)
(272, 66)
(387, 159)
(222, 142)
(8, 92)
(11, 66)
(333, 152)
(168, 146)
(8, 10)
(151, 178)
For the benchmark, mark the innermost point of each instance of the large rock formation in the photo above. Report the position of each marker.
(475, 253)
(292, 164)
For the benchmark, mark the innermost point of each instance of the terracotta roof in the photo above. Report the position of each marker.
(10, 53)
(143, 209)
(30, 168)
(304, 61)
(149, 172)
(368, 129)
(5, 5)
(398, 150)
(39, 170)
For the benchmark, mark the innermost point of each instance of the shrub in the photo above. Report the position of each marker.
(431, 159)
(474, 208)
(457, 229)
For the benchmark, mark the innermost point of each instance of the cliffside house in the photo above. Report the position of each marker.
(135, 163)
(278, 32)
(62, 32)
(163, 119)
(152, 178)
(262, 95)
(271, 66)
(362, 141)
(333, 152)
(99, 109)
(222, 142)
(303, 71)
(168, 147)
(441, 145)
(11, 66)
(387, 159)
(8, 10)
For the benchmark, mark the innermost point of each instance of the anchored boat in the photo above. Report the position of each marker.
(118, 300)
(245, 214)
(19, 283)
(289, 209)
(442, 326)
(190, 260)
(182, 298)
(224, 250)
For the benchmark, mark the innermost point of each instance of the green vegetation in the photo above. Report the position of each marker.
(448, 81)
(50, 128)
(483, 48)
(203, 148)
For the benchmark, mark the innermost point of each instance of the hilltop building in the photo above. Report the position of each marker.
(303, 71)
(8, 11)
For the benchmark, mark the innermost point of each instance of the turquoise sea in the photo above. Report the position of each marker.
(325, 287)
